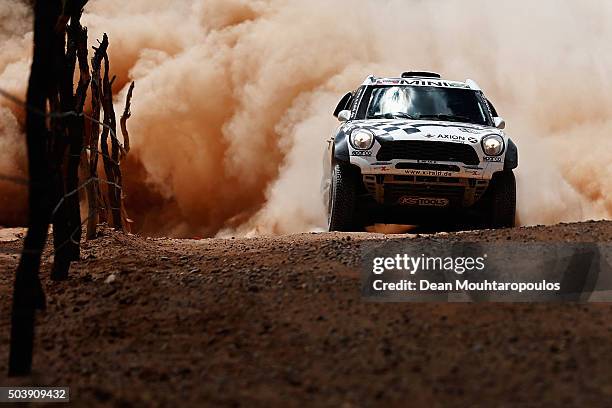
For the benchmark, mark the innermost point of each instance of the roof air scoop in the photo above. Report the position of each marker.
(420, 74)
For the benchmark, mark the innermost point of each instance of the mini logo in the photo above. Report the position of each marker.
(424, 201)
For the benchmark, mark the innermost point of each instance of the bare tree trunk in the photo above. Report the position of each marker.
(93, 188)
(127, 113)
(64, 60)
(77, 34)
(69, 138)
(111, 159)
(28, 294)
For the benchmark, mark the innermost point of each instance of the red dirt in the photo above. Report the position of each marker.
(280, 322)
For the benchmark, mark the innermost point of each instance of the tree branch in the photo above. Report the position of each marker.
(123, 121)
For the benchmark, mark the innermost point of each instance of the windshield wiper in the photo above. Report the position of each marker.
(393, 115)
(450, 118)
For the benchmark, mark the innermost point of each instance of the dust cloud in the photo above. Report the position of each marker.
(233, 99)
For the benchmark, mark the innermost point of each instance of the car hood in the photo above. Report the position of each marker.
(402, 129)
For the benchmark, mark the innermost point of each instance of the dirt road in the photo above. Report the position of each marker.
(279, 321)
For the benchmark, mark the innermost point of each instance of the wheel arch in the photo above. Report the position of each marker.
(340, 152)
(512, 158)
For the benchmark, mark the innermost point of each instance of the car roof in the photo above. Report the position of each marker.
(424, 80)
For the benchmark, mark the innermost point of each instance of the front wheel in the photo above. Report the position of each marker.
(342, 206)
(501, 200)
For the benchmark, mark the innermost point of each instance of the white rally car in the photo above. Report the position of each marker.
(419, 148)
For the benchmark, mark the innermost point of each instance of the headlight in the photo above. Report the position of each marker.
(362, 139)
(493, 145)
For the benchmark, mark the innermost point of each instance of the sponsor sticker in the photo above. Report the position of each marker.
(420, 82)
(473, 170)
(493, 159)
(469, 130)
(362, 153)
(424, 201)
(429, 173)
(453, 138)
(388, 82)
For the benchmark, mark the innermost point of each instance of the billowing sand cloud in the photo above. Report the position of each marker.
(233, 99)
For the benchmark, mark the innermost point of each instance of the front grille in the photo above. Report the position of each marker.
(424, 150)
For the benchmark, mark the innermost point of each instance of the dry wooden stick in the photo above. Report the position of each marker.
(123, 121)
(111, 167)
(93, 189)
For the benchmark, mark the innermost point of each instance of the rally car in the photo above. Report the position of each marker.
(414, 148)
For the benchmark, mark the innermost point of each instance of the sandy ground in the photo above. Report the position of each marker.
(280, 322)
(11, 234)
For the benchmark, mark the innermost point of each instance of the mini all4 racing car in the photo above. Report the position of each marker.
(419, 148)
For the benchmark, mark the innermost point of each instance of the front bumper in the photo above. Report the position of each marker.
(424, 191)
(425, 183)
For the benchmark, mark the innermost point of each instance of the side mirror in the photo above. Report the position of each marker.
(344, 116)
(499, 122)
(344, 103)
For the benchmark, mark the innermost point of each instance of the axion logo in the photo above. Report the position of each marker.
(447, 137)
(424, 201)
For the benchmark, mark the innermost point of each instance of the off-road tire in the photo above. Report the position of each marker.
(342, 206)
(501, 200)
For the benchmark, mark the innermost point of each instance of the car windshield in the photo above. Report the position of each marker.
(426, 102)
